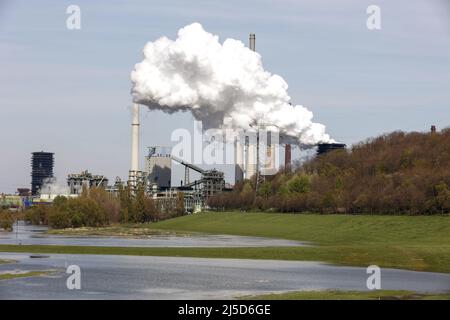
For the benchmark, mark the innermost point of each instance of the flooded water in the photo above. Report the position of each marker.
(35, 235)
(128, 277)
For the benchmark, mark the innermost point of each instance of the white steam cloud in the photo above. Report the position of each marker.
(223, 85)
(51, 186)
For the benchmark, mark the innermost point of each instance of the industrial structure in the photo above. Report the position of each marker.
(287, 156)
(41, 169)
(158, 165)
(323, 148)
(156, 179)
(251, 138)
(238, 160)
(195, 193)
(85, 180)
(255, 154)
(135, 176)
(211, 181)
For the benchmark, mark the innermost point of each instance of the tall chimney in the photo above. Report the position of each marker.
(287, 157)
(252, 42)
(135, 138)
(251, 163)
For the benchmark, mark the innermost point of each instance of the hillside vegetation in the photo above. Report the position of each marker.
(397, 173)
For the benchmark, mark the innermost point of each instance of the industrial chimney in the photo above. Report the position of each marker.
(135, 138)
(134, 174)
(251, 148)
(252, 42)
(287, 156)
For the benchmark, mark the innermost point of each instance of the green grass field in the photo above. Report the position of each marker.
(5, 261)
(9, 276)
(349, 295)
(419, 243)
(407, 242)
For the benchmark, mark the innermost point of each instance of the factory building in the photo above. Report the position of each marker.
(158, 165)
(195, 193)
(115, 188)
(76, 181)
(41, 169)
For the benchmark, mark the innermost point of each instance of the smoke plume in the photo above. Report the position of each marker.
(51, 186)
(223, 85)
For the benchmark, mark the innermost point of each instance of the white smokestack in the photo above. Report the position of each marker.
(252, 148)
(223, 85)
(135, 138)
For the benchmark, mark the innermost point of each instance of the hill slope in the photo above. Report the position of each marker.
(397, 173)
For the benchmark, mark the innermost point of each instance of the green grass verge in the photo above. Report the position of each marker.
(117, 230)
(9, 276)
(276, 253)
(349, 295)
(5, 261)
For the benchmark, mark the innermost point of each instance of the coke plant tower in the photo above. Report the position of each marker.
(41, 169)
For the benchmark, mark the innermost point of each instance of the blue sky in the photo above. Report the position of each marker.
(69, 91)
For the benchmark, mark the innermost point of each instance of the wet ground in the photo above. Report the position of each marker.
(35, 235)
(128, 277)
(131, 277)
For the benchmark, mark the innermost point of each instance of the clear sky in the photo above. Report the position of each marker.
(68, 91)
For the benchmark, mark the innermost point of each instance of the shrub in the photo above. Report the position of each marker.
(6, 220)
(37, 214)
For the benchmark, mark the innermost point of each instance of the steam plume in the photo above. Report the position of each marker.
(223, 85)
(51, 186)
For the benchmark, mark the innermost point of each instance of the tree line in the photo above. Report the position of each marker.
(96, 208)
(396, 173)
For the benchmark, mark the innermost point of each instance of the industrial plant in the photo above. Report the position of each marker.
(256, 153)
